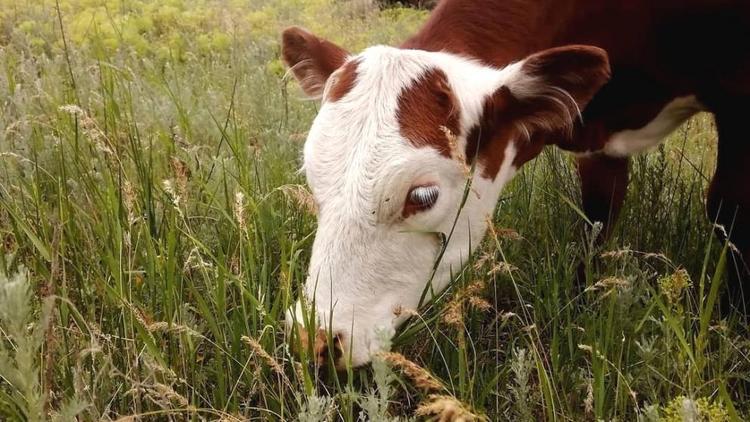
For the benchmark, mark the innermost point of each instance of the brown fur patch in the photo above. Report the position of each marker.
(344, 82)
(320, 347)
(426, 106)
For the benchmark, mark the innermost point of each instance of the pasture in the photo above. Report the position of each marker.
(155, 229)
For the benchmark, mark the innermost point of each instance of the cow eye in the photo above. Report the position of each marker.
(421, 198)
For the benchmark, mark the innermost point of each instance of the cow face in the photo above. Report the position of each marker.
(406, 160)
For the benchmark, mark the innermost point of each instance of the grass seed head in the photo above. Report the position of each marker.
(421, 378)
(239, 210)
(260, 352)
(448, 409)
(469, 295)
(300, 196)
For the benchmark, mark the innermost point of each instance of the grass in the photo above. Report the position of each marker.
(154, 231)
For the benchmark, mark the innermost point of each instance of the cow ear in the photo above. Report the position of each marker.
(311, 59)
(548, 90)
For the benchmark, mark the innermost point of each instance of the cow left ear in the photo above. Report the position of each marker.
(548, 90)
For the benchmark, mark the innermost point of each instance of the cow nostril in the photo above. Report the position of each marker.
(323, 354)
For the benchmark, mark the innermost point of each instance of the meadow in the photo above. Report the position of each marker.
(154, 229)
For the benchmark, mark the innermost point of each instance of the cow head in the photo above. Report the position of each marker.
(399, 135)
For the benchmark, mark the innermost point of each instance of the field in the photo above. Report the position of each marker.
(154, 230)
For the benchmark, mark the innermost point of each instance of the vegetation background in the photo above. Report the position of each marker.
(154, 229)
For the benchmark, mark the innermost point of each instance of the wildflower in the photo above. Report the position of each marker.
(682, 408)
(672, 286)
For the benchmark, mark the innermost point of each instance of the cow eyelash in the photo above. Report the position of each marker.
(421, 198)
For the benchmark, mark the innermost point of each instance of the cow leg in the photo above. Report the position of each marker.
(728, 205)
(604, 182)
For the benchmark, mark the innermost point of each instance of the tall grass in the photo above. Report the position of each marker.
(155, 229)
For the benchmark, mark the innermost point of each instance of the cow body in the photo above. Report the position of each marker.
(670, 59)
(493, 82)
(659, 51)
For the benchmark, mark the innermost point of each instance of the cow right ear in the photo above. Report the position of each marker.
(311, 59)
(548, 90)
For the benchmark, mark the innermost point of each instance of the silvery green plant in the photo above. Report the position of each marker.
(23, 335)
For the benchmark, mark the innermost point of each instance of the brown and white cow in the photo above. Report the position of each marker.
(491, 83)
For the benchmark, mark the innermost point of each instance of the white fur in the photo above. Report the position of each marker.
(367, 261)
(628, 142)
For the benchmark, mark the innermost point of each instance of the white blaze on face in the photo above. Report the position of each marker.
(388, 177)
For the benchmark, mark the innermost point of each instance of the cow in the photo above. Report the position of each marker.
(480, 90)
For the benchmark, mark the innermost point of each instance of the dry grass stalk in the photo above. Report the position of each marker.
(401, 311)
(50, 335)
(617, 254)
(479, 304)
(172, 396)
(138, 314)
(421, 378)
(498, 233)
(264, 356)
(588, 403)
(483, 259)
(301, 196)
(129, 199)
(160, 394)
(173, 195)
(453, 313)
(471, 295)
(91, 129)
(456, 153)
(507, 233)
(502, 268)
(239, 211)
(163, 326)
(195, 261)
(299, 371)
(230, 418)
(610, 284)
(445, 408)
(181, 175)
(298, 137)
